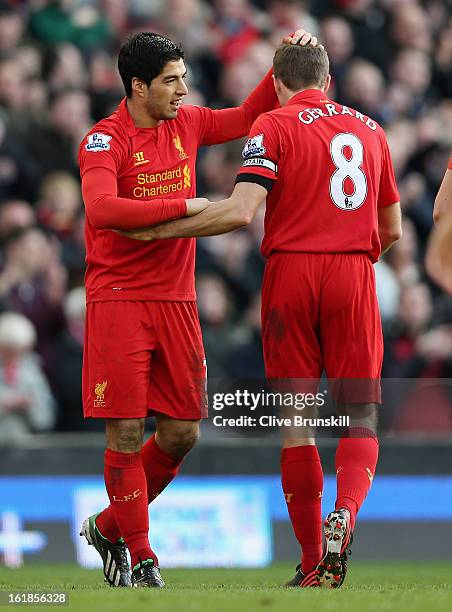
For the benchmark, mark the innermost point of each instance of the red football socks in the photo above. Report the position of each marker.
(106, 523)
(302, 482)
(356, 460)
(126, 485)
(160, 469)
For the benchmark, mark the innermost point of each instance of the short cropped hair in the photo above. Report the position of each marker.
(300, 67)
(144, 56)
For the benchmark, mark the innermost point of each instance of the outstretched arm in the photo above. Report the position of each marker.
(439, 253)
(389, 226)
(231, 123)
(443, 200)
(218, 218)
(253, 183)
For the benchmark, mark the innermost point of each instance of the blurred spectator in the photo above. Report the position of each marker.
(219, 167)
(412, 27)
(30, 59)
(63, 68)
(11, 27)
(365, 88)
(403, 256)
(65, 371)
(416, 346)
(417, 202)
(12, 85)
(234, 27)
(73, 253)
(414, 317)
(236, 81)
(247, 359)
(187, 22)
(443, 62)
(402, 143)
(59, 204)
(33, 282)
(60, 211)
(369, 29)
(18, 172)
(416, 352)
(105, 85)
(15, 215)
(54, 146)
(26, 404)
(286, 17)
(337, 36)
(220, 336)
(412, 70)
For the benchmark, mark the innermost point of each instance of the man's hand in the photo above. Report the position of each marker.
(301, 37)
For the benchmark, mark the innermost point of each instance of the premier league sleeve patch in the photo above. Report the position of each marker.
(98, 142)
(254, 147)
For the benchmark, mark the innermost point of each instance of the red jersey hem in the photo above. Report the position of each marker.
(368, 254)
(133, 296)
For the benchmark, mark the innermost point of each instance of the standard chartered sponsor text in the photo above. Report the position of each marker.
(146, 183)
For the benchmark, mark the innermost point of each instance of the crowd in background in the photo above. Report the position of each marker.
(390, 59)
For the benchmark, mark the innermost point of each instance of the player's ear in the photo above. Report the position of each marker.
(327, 83)
(138, 87)
(281, 91)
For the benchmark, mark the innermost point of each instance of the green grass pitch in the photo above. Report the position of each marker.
(425, 587)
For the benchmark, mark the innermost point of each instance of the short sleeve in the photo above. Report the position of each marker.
(261, 154)
(388, 193)
(449, 165)
(100, 149)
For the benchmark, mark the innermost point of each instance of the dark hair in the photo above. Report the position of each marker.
(144, 56)
(299, 67)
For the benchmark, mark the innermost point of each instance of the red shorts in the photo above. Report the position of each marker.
(320, 312)
(142, 358)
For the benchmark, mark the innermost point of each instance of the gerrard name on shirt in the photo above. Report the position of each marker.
(309, 115)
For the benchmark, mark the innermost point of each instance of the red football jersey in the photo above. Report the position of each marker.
(151, 164)
(449, 165)
(327, 168)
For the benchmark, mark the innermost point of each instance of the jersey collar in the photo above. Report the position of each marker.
(308, 95)
(126, 119)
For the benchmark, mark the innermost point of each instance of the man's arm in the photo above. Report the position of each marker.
(218, 218)
(255, 179)
(106, 210)
(219, 126)
(389, 225)
(443, 200)
(438, 259)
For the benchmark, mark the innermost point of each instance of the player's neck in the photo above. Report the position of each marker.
(140, 116)
(290, 94)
